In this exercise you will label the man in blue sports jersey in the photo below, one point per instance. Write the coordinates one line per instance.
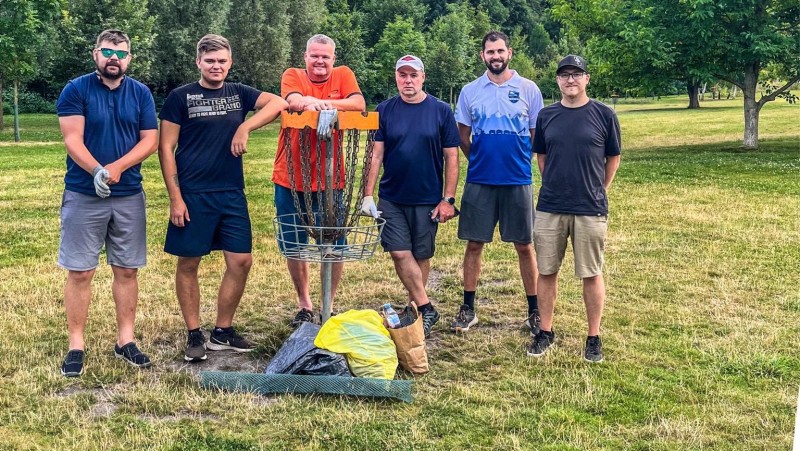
(496, 117)
(108, 121)
(205, 181)
(416, 141)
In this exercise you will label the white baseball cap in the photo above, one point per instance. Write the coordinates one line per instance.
(410, 61)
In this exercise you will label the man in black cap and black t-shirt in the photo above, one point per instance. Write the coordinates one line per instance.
(577, 143)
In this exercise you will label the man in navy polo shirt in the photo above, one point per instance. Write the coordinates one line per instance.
(496, 117)
(417, 139)
(205, 120)
(577, 145)
(109, 125)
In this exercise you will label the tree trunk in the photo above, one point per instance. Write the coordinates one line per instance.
(693, 90)
(751, 107)
(16, 111)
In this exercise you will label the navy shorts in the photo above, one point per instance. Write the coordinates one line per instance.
(293, 232)
(219, 220)
(408, 228)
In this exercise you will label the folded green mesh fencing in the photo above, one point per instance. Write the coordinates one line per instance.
(292, 383)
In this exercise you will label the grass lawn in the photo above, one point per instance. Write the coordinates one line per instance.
(700, 329)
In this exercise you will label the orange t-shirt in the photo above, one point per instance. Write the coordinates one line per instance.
(341, 84)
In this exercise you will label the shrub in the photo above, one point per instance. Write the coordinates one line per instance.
(29, 102)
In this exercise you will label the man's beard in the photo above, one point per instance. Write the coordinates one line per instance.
(496, 71)
(111, 76)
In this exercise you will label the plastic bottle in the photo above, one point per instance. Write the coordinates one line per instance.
(392, 320)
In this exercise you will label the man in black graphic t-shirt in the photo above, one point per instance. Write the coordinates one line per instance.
(577, 143)
(205, 181)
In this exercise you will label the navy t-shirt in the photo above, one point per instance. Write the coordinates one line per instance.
(113, 120)
(576, 142)
(414, 135)
(208, 119)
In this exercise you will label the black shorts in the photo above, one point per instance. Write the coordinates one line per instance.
(408, 228)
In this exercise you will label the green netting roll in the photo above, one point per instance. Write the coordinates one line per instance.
(293, 383)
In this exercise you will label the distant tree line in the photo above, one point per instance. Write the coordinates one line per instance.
(634, 47)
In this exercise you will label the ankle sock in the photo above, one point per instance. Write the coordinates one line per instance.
(425, 308)
(533, 304)
(469, 299)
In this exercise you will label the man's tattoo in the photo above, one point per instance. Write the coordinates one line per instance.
(175, 179)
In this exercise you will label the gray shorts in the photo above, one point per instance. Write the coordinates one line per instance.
(89, 222)
(483, 206)
(408, 228)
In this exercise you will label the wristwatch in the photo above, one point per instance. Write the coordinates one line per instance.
(450, 200)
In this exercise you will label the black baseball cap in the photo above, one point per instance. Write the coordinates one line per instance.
(575, 61)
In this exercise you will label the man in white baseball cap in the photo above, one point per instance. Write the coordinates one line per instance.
(417, 144)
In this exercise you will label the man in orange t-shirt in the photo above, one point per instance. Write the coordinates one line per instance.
(319, 86)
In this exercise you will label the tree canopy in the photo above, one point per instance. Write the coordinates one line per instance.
(636, 47)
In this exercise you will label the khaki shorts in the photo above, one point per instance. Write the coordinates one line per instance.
(588, 235)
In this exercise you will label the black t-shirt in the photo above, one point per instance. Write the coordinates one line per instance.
(208, 119)
(576, 142)
(414, 135)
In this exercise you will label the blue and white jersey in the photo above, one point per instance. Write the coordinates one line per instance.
(501, 117)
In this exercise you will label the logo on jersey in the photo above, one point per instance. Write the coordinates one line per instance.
(513, 96)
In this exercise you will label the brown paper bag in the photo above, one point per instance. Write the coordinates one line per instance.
(410, 344)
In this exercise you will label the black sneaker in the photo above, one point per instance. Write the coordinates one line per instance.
(303, 316)
(541, 343)
(131, 354)
(429, 318)
(195, 347)
(464, 320)
(222, 340)
(73, 363)
(534, 323)
(594, 350)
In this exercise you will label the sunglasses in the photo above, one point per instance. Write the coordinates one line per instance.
(121, 54)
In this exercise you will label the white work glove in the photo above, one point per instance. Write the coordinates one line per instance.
(101, 175)
(368, 207)
(326, 122)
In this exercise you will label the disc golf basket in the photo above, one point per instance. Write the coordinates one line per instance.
(328, 210)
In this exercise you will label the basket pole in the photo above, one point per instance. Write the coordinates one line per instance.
(327, 267)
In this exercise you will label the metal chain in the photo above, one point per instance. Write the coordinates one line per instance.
(336, 219)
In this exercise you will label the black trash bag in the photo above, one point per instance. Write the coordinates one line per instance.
(298, 355)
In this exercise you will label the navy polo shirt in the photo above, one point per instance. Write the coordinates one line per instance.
(114, 119)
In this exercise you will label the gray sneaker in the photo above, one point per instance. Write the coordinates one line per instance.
(594, 350)
(195, 347)
(465, 319)
(429, 318)
(541, 343)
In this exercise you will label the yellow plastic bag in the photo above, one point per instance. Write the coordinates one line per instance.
(362, 338)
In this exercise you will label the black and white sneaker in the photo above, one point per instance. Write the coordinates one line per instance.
(541, 343)
(465, 319)
(594, 350)
(73, 363)
(303, 316)
(222, 339)
(195, 347)
(429, 318)
(534, 323)
(131, 354)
